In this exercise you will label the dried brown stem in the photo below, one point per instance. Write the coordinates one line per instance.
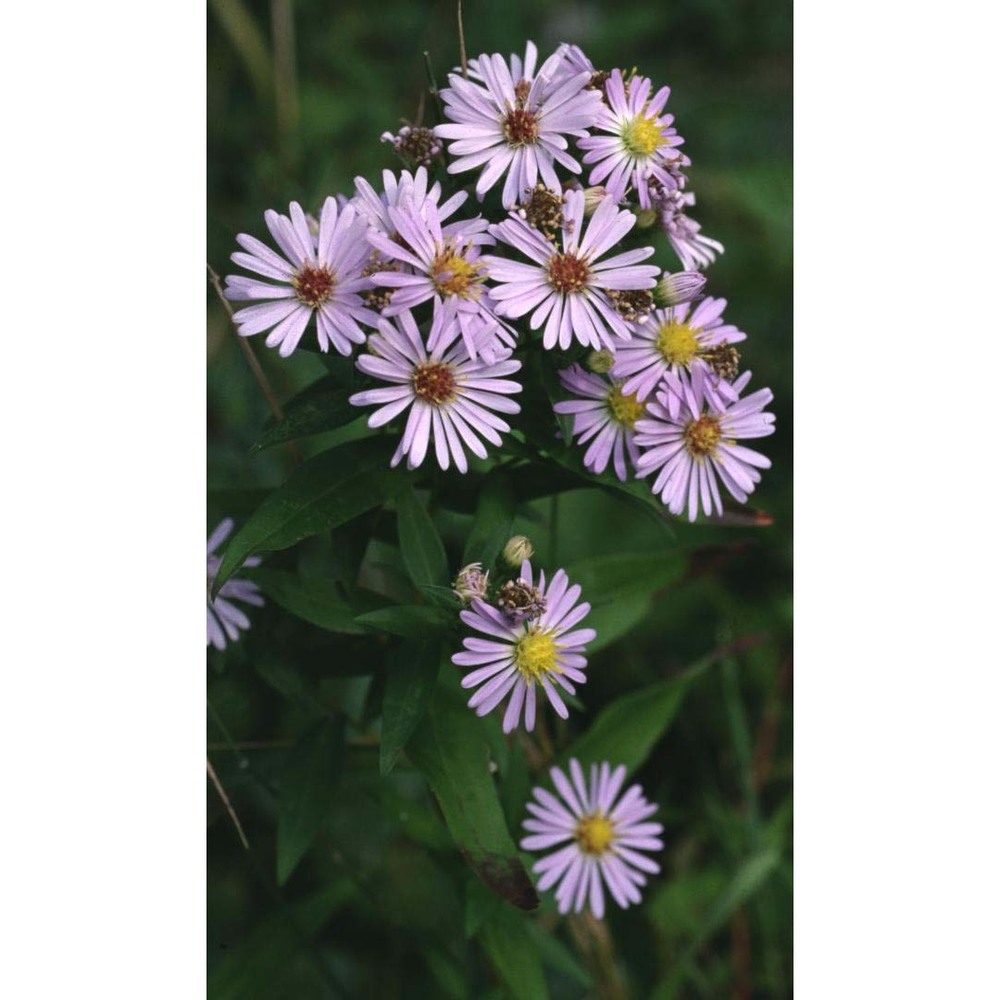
(461, 43)
(227, 804)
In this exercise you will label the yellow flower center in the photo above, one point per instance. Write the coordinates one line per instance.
(452, 274)
(642, 136)
(702, 435)
(625, 409)
(594, 834)
(678, 343)
(535, 655)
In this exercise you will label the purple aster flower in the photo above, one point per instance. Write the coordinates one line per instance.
(515, 126)
(690, 438)
(565, 287)
(520, 69)
(410, 190)
(444, 266)
(451, 397)
(605, 417)
(574, 59)
(642, 142)
(224, 617)
(678, 338)
(600, 838)
(521, 655)
(694, 250)
(322, 274)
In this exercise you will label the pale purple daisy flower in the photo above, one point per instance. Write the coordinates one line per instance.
(515, 126)
(410, 190)
(681, 337)
(322, 274)
(520, 69)
(566, 288)
(224, 617)
(642, 142)
(690, 438)
(694, 250)
(574, 59)
(521, 655)
(451, 397)
(605, 417)
(443, 265)
(600, 838)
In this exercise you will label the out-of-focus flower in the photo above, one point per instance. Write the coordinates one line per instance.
(694, 250)
(600, 838)
(690, 436)
(517, 549)
(453, 399)
(518, 657)
(322, 274)
(471, 582)
(516, 127)
(679, 338)
(641, 143)
(224, 617)
(566, 286)
(605, 417)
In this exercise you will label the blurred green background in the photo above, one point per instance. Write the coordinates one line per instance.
(298, 96)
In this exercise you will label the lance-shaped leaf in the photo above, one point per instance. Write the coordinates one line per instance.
(494, 521)
(423, 551)
(324, 492)
(313, 599)
(308, 784)
(411, 670)
(627, 730)
(621, 588)
(449, 747)
(318, 408)
(512, 953)
(416, 621)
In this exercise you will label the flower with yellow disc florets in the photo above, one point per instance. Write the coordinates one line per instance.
(518, 657)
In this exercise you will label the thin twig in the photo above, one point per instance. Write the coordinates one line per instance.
(227, 804)
(461, 43)
(259, 374)
(432, 84)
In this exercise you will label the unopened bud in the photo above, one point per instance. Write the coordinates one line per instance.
(471, 582)
(517, 550)
(673, 289)
(592, 197)
(646, 217)
(600, 362)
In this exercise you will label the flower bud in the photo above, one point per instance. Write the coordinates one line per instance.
(645, 218)
(592, 197)
(471, 582)
(517, 550)
(600, 362)
(673, 289)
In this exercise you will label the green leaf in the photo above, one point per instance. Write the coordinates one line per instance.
(308, 785)
(556, 955)
(745, 883)
(320, 407)
(411, 671)
(415, 621)
(323, 493)
(449, 748)
(510, 949)
(423, 551)
(313, 599)
(621, 588)
(627, 730)
(493, 523)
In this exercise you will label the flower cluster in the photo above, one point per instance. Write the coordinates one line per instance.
(445, 304)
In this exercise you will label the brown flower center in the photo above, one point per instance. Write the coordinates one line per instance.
(520, 127)
(567, 273)
(434, 382)
(313, 284)
(702, 435)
